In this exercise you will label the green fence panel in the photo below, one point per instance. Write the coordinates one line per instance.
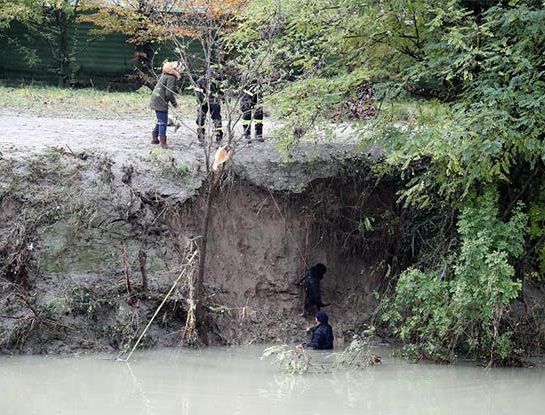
(98, 60)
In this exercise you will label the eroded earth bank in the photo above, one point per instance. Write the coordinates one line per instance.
(94, 232)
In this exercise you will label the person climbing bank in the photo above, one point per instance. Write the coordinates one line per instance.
(313, 294)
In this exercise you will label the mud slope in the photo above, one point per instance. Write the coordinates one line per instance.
(75, 222)
(262, 242)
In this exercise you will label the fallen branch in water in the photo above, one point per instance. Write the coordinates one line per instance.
(358, 354)
(292, 360)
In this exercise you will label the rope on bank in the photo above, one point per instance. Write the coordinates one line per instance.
(185, 267)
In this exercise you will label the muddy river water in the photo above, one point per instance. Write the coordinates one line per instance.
(235, 381)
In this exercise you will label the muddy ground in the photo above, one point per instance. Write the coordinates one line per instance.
(83, 202)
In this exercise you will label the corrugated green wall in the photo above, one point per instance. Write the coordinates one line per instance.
(99, 61)
(96, 59)
(107, 56)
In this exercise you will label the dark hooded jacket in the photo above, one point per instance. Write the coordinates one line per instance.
(251, 96)
(215, 89)
(165, 90)
(312, 283)
(322, 334)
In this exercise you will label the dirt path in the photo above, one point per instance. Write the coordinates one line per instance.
(22, 134)
(127, 141)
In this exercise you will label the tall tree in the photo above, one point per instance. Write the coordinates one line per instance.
(59, 25)
(28, 13)
(207, 22)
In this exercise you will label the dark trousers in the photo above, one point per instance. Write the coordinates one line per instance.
(215, 113)
(257, 111)
(162, 121)
(310, 303)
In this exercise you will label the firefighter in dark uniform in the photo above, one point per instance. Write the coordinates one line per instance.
(251, 105)
(313, 293)
(213, 103)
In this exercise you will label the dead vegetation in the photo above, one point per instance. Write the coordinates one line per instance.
(292, 360)
(295, 360)
(358, 354)
(62, 214)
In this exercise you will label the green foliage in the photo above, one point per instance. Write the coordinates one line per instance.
(52, 21)
(299, 45)
(24, 12)
(460, 92)
(493, 70)
(485, 64)
(464, 312)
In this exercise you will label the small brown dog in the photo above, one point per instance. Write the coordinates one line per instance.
(173, 122)
(223, 154)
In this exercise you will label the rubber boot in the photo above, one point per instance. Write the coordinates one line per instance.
(219, 136)
(163, 141)
(247, 133)
(200, 136)
(259, 132)
(154, 137)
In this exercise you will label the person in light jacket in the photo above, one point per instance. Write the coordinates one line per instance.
(164, 93)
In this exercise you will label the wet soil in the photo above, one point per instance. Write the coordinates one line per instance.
(81, 200)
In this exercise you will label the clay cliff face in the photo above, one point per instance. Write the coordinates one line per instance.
(74, 225)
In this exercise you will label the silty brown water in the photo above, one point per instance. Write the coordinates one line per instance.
(235, 381)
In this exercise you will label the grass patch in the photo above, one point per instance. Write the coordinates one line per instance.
(163, 160)
(84, 103)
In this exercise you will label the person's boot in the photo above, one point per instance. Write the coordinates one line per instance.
(163, 141)
(259, 132)
(200, 137)
(247, 134)
(154, 137)
(219, 137)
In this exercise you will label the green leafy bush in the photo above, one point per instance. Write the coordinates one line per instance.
(440, 315)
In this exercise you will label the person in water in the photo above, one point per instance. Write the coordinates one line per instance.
(322, 334)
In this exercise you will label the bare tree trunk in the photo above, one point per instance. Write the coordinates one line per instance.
(199, 283)
(142, 260)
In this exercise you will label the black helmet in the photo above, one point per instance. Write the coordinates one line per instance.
(320, 269)
(322, 317)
